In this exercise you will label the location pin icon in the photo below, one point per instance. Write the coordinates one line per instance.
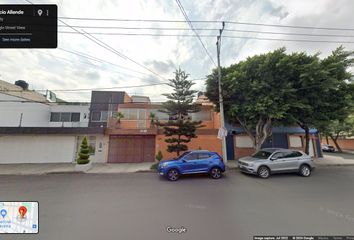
(3, 213)
(40, 12)
(22, 210)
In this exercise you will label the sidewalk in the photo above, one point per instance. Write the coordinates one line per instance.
(56, 168)
(335, 159)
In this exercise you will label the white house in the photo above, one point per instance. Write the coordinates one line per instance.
(35, 130)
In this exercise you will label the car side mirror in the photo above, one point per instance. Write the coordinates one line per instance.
(273, 158)
(184, 160)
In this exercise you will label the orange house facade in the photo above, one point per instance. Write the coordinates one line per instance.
(135, 139)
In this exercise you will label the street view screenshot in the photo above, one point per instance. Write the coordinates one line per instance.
(177, 119)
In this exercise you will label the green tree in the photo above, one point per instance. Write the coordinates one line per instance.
(84, 153)
(180, 129)
(322, 90)
(285, 88)
(254, 93)
(338, 128)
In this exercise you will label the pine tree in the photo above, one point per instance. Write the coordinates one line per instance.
(84, 152)
(180, 129)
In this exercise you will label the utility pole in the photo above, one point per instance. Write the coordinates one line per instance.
(221, 103)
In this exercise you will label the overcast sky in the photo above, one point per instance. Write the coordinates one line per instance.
(57, 69)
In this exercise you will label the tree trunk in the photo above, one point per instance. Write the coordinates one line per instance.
(307, 136)
(327, 140)
(307, 140)
(334, 139)
(263, 131)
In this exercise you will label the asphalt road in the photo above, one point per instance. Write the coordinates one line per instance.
(142, 205)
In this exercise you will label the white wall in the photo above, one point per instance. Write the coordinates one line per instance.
(37, 149)
(37, 114)
(33, 114)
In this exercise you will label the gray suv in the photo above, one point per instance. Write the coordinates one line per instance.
(275, 160)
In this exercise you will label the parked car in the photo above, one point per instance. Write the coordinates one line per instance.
(276, 160)
(192, 162)
(328, 148)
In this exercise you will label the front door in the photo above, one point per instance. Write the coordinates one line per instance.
(278, 163)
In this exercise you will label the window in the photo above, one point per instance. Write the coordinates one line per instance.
(96, 116)
(75, 117)
(104, 116)
(133, 113)
(201, 115)
(243, 142)
(159, 115)
(64, 117)
(295, 141)
(262, 154)
(293, 154)
(55, 117)
(203, 155)
(99, 116)
(278, 155)
(192, 156)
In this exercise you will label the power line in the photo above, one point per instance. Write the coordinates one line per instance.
(208, 21)
(209, 35)
(212, 29)
(87, 63)
(85, 55)
(106, 46)
(192, 27)
(94, 89)
(132, 60)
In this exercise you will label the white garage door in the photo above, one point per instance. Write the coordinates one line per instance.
(37, 149)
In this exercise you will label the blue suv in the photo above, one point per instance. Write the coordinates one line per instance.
(191, 162)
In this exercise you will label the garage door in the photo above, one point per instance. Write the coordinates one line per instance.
(131, 149)
(37, 149)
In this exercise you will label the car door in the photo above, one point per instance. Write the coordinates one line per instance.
(204, 160)
(189, 163)
(290, 160)
(277, 162)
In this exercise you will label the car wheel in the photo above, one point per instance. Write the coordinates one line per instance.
(173, 174)
(305, 170)
(263, 172)
(215, 173)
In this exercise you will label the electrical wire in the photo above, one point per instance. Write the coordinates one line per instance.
(208, 21)
(196, 33)
(208, 35)
(94, 89)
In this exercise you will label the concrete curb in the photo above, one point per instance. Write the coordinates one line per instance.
(138, 171)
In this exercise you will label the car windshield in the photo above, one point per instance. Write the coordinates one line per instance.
(262, 154)
(181, 156)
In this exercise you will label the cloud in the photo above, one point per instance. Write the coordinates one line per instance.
(161, 66)
(55, 69)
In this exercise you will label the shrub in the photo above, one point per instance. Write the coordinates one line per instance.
(159, 156)
(84, 153)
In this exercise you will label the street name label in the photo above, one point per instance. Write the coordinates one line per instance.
(19, 217)
(28, 26)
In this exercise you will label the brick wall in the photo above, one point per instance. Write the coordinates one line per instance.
(345, 144)
(205, 142)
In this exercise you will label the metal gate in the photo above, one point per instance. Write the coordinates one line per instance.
(131, 149)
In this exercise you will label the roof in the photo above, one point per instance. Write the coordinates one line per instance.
(17, 91)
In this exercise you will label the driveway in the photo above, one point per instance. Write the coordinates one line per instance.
(142, 205)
